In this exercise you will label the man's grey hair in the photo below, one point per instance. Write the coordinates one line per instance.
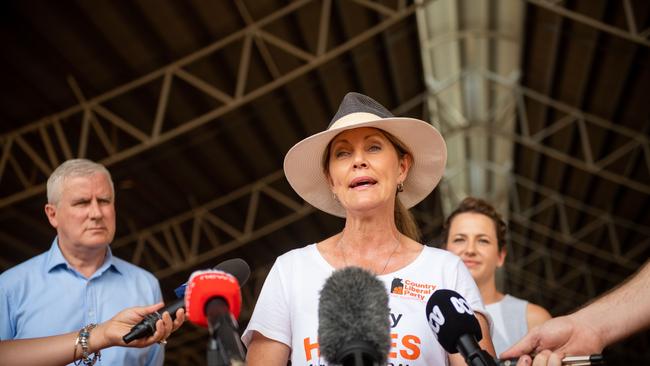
(73, 168)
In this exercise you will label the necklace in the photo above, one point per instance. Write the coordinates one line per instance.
(338, 244)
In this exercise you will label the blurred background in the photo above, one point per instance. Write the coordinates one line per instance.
(544, 105)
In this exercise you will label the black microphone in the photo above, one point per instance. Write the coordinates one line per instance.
(353, 319)
(147, 327)
(456, 328)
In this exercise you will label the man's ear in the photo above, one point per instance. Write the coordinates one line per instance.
(50, 212)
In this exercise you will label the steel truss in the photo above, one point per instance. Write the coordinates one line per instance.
(182, 242)
(462, 43)
(636, 144)
(513, 106)
(551, 282)
(632, 33)
(481, 110)
(69, 133)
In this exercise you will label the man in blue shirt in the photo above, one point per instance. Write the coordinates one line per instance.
(78, 281)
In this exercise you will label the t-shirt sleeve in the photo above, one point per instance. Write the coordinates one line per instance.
(271, 316)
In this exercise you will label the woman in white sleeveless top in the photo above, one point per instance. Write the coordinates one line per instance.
(476, 233)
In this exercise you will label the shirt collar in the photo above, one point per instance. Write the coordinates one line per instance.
(55, 259)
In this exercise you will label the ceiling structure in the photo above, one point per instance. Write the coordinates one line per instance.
(192, 106)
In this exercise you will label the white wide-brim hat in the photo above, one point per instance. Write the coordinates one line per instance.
(302, 164)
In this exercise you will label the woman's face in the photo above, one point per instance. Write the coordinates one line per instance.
(364, 169)
(473, 237)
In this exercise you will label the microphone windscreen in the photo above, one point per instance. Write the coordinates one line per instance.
(353, 307)
(450, 316)
(236, 267)
(206, 285)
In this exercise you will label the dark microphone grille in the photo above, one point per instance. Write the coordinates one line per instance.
(353, 308)
(236, 267)
(450, 317)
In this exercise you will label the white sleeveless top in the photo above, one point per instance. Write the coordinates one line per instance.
(509, 322)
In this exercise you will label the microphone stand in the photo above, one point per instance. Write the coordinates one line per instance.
(224, 348)
(474, 356)
(359, 353)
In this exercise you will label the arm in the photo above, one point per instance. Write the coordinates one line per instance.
(58, 350)
(265, 351)
(536, 315)
(485, 343)
(614, 316)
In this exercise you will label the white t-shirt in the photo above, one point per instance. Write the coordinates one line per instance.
(287, 308)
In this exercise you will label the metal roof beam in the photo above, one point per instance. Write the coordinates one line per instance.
(459, 40)
(582, 120)
(630, 34)
(177, 241)
(158, 134)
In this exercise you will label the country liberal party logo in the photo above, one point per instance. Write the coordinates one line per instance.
(410, 289)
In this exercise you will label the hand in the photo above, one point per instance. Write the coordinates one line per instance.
(544, 358)
(110, 333)
(555, 339)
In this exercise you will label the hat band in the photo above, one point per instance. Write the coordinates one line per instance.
(353, 119)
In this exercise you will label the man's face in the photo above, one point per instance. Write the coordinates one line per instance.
(84, 217)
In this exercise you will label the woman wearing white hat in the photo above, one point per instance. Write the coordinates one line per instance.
(368, 167)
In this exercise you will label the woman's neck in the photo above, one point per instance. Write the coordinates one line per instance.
(489, 292)
(367, 232)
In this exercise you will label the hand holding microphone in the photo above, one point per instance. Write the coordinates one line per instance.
(111, 332)
(561, 336)
(454, 324)
(147, 327)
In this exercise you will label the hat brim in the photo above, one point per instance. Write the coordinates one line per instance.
(303, 169)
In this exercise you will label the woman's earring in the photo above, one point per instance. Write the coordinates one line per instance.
(335, 198)
(400, 187)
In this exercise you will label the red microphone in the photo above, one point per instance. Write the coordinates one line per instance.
(203, 286)
(213, 300)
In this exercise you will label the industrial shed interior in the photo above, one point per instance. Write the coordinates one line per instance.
(544, 105)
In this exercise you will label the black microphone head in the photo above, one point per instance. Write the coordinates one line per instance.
(236, 267)
(450, 317)
(353, 313)
(147, 326)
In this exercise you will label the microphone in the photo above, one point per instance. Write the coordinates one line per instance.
(213, 300)
(147, 327)
(353, 319)
(456, 328)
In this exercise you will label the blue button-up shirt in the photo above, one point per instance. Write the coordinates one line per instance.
(45, 296)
